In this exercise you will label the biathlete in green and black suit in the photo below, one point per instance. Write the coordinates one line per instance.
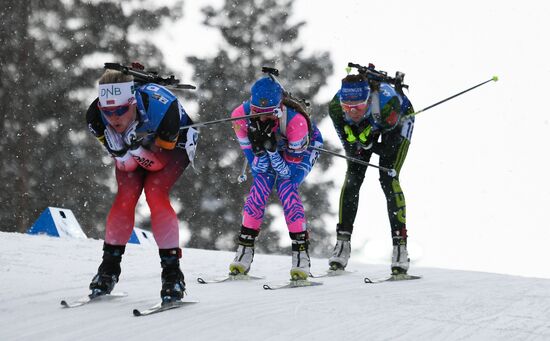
(370, 117)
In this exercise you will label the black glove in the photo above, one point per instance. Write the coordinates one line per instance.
(370, 140)
(256, 138)
(259, 133)
(271, 143)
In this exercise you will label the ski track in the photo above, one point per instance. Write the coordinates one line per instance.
(37, 272)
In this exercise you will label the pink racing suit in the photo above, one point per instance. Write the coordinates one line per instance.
(286, 168)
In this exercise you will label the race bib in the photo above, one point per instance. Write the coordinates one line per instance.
(407, 128)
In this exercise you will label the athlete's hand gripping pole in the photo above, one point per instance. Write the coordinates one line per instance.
(242, 177)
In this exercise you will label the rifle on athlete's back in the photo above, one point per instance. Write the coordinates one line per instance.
(141, 76)
(378, 76)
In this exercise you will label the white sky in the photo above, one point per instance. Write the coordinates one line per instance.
(476, 176)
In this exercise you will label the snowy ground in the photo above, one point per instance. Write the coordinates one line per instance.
(36, 272)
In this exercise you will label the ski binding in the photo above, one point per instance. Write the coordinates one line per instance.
(332, 273)
(162, 306)
(93, 297)
(228, 278)
(392, 278)
(293, 283)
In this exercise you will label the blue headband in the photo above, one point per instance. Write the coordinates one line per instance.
(359, 91)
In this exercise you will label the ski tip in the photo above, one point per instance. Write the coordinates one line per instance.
(495, 78)
(200, 280)
(64, 304)
(136, 312)
(391, 278)
(266, 287)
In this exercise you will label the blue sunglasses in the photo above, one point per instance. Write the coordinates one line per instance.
(118, 111)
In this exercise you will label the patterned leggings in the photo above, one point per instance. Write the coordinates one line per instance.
(287, 191)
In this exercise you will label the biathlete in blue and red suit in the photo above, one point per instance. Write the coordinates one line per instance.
(139, 125)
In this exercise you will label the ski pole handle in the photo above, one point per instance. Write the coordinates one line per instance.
(242, 177)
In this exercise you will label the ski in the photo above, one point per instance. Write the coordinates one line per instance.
(93, 297)
(332, 273)
(227, 278)
(162, 306)
(293, 283)
(392, 278)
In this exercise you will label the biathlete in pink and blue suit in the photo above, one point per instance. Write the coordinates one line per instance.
(278, 149)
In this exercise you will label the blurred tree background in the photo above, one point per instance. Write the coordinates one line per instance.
(52, 57)
(49, 65)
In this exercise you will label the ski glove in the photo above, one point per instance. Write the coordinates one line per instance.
(258, 134)
(147, 159)
(115, 142)
(260, 164)
(130, 136)
(279, 164)
(126, 163)
(270, 144)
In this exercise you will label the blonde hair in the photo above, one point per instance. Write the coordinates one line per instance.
(114, 76)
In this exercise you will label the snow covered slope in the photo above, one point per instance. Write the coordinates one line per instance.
(36, 272)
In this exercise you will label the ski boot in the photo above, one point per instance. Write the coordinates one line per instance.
(245, 252)
(109, 270)
(173, 284)
(301, 262)
(341, 252)
(400, 256)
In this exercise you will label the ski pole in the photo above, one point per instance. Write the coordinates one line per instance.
(495, 78)
(229, 119)
(242, 178)
(391, 172)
